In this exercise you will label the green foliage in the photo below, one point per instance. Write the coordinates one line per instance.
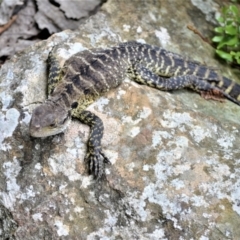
(228, 34)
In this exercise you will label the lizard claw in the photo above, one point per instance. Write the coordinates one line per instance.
(96, 161)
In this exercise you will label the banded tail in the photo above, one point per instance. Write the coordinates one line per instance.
(229, 89)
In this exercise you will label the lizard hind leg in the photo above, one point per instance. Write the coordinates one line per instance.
(145, 76)
(95, 158)
(214, 94)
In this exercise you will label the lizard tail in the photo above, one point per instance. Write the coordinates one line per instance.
(230, 90)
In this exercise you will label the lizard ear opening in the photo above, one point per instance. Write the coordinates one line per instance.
(63, 121)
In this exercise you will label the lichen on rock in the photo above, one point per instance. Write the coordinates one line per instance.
(175, 156)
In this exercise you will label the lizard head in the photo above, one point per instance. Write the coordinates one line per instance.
(49, 119)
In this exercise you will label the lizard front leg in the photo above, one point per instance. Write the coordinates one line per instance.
(55, 71)
(95, 158)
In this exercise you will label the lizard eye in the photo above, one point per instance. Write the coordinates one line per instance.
(74, 105)
(52, 125)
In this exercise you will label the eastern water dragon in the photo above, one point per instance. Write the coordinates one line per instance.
(90, 73)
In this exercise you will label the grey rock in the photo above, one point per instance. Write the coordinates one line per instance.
(17, 37)
(7, 225)
(175, 170)
(56, 18)
(7, 9)
(78, 9)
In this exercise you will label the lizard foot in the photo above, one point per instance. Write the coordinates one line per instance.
(96, 161)
(213, 94)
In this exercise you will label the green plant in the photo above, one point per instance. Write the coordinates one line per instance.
(228, 34)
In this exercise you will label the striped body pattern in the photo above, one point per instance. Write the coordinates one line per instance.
(89, 74)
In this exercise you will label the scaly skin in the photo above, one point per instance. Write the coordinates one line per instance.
(89, 74)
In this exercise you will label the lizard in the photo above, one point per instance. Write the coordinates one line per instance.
(89, 74)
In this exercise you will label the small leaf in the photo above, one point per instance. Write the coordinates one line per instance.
(219, 29)
(220, 19)
(235, 54)
(231, 30)
(233, 9)
(224, 55)
(229, 42)
(217, 38)
(232, 41)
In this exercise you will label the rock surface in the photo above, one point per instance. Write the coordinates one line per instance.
(63, 14)
(25, 22)
(175, 170)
